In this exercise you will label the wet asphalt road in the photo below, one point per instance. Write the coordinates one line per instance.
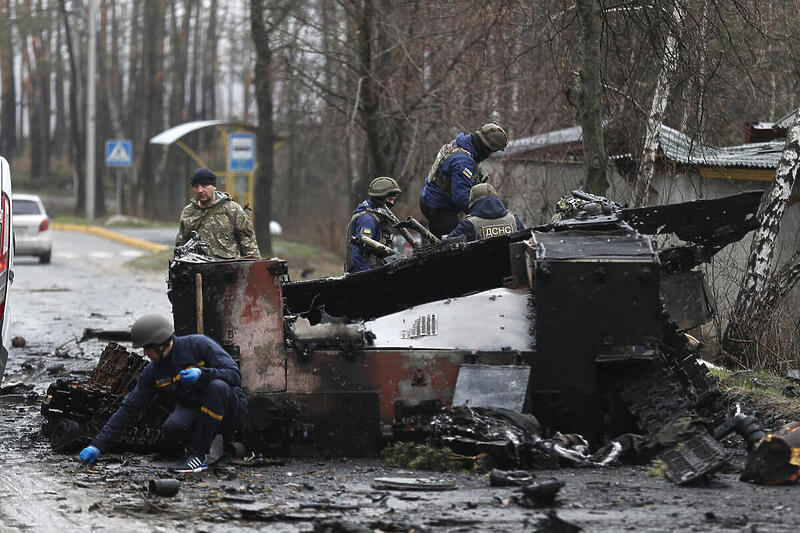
(87, 286)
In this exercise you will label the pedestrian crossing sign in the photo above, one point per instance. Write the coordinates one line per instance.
(119, 153)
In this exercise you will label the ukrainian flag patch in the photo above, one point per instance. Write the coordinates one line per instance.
(366, 231)
(468, 173)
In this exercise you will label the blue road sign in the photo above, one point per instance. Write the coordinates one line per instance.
(119, 153)
(241, 152)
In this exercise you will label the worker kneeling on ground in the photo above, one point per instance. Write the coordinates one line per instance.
(370, 223)
(205, 380)
(488, 216)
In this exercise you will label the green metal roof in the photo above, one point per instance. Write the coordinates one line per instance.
(785, 122)
(683, 149)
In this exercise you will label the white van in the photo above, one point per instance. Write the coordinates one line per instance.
(6, 260)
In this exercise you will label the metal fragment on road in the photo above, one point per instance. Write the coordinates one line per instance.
(412, 483)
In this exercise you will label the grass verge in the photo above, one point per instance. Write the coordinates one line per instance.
(305, 261)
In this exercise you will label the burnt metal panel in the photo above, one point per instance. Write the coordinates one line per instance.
(492, 386)
(712, 223)
(588, 307)
(242, 310)
(443, 271)
(412, 376)
(687, 299)
(303, 424)
(490, 320)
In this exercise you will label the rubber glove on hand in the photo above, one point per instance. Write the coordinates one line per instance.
(89, 454)
(190, 375)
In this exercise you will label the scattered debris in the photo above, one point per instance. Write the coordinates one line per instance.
(340, 526)
(117, 335)
(55, 368)
(163, 487)
(327, 506)
(74, 411)
(18, 342)
(774, 459)
(540, 493)
(512, 478)
(412, 483)
(553, 524)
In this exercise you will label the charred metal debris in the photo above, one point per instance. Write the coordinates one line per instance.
(587, 313)
(75, 411)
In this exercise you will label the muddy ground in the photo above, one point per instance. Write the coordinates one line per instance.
(44, 491)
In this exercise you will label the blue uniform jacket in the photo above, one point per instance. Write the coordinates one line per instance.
(364, 225)
(189, 351)
(490, 207)
(462, 171)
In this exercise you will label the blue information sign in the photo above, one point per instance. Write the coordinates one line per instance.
(119, 153)
(241, 152)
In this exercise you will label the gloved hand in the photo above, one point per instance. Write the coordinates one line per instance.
(89, 454)
(190, 375)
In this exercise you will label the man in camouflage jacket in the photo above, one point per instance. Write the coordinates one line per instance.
(218, 220)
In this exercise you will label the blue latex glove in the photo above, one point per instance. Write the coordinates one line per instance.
(89, 454)
(190, 375)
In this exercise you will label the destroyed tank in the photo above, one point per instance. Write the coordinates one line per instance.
(578, 322)
(586, 309)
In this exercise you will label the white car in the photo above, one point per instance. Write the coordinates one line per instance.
(32, 231)
(6, 260)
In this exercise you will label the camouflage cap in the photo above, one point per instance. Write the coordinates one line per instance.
(383, 186)
(493, 136)
(481, 190)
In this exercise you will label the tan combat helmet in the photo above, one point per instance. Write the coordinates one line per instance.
(493, 136)
(382, 187)
(481, 190)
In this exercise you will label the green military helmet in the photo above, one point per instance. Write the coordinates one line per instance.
(493, 136)
(481, 190)
(383, 186)
(151, 330)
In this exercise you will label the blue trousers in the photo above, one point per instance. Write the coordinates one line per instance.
(222, 411)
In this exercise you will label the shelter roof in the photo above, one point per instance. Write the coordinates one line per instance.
(173, 134)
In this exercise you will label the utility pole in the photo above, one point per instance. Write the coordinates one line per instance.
(90, 111)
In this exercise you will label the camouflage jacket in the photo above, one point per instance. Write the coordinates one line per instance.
(224, 225)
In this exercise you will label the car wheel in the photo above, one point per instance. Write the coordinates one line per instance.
(45, 258)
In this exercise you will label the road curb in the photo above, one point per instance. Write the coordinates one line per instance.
(133, 242)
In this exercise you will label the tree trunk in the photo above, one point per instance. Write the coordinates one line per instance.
(59, 131)
(76, 144)
(153, 110)
(755, 300)
(655, 118)
(263, 89)
(590, 98)
(8, 105)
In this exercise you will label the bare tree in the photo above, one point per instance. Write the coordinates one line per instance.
(655, 118)
(263, 88)
(588, 99)
(758, 293)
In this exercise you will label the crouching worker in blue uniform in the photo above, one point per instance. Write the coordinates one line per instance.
(205, 380)
(488, 216)
(370, 220)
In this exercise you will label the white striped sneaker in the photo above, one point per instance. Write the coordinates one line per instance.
(190, 464)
